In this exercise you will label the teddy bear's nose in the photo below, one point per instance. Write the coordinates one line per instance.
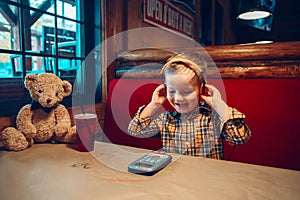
(49, 100)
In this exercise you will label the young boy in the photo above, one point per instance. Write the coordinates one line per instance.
(195, 127)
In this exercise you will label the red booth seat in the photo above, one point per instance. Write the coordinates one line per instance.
(271, 107)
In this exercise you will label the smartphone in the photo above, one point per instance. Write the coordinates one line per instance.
(150, 163)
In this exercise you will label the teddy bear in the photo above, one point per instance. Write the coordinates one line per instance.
(45, 119)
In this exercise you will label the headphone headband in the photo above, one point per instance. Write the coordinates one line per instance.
(181, 59)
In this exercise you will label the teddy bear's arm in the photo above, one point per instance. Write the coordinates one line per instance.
(24, 122)
(63, 121)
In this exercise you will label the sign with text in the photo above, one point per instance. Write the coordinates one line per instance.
(163, 14)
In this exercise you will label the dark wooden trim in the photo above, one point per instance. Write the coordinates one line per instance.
(114, 24)
(275, 60)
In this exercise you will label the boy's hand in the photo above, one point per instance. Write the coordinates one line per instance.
(159, 95)
(158, 99)
(215, 101)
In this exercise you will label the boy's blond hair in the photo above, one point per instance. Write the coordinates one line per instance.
(185, 63)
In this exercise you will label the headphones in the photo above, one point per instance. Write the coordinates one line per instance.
(187, 62)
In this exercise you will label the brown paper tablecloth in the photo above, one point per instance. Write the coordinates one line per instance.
(58, 171)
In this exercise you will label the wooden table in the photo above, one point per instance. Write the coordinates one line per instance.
(58, 171)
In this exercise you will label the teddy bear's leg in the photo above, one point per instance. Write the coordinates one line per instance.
(14, 140)
(43, 136)
(70, 137)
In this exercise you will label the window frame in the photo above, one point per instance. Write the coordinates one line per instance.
(13, 94)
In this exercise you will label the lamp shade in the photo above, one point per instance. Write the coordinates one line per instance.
(255, 9)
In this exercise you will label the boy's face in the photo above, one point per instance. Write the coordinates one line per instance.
(182, 92)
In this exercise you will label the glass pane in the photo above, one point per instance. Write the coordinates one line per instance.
(48, 64)
(36, 65)
(41, 33)
(10, 65)
(68, 38)
(68, 9)
(39, 64)
(68, 67)
(44, 5)
(9, 30)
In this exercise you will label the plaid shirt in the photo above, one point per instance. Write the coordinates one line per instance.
(199, 133)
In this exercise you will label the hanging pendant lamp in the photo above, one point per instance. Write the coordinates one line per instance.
(255, 9)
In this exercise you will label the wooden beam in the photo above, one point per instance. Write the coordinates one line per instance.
(72, 2)
(276, 60)
(44, 7)
(8, 14)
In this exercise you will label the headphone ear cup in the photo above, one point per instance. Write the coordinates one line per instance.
(203, 91)
(165, 85)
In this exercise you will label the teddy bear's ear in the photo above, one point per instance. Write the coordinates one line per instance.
(67, 87)
(29, 79)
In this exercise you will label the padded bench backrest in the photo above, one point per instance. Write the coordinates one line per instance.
(271, 107)
(125, 96)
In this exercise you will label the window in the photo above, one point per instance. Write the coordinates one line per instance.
(39, 36)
